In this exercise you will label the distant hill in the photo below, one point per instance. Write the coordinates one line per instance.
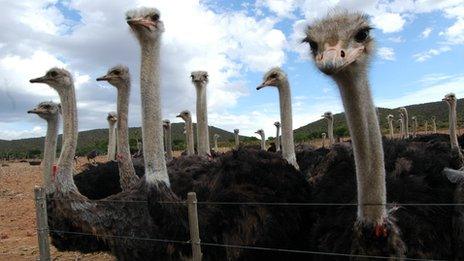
(98, 139)
(423, 112)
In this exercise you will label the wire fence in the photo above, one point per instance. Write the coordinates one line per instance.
(198, 243)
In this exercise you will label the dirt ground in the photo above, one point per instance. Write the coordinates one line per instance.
(18, 235)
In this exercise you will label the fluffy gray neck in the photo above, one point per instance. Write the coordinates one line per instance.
(64, 177)
(127, 177)
(330, 132)
(189, 136)
(111, 141)
(50, 152)
(263, 141)
(152, 128)
(288, 147)
(452, 126)
(202, 120)
(277, 139)
(434, 126)
(367, 146)
(167, 142)
(390, 126)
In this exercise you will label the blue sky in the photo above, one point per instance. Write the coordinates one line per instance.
(420, 51)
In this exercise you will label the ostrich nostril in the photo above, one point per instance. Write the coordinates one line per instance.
(342, 53)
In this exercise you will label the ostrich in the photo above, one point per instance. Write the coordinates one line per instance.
(329, 118)
(404, 115)
(324, 135)
(277, 77)
(187, 117)
(434, 124)
(277, 143)
(341, 47)
(216, 137)
(200, 81)
(450, 99)
(49, 111)
(426, 127)
(414, 126)
(91, 156)
(167, 139)
(260, 132)
(112, 118)
(237, 138)
(390, 125)
(400, 122)
(119, 77)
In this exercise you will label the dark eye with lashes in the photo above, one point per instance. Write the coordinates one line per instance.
(155, 17)
(116, 72)
(362, 35)
(53, 74)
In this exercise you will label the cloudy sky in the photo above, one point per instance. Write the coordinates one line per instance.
(420, 51)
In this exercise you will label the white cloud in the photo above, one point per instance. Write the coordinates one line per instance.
(388, 22)
(426, 32)
(397, 39)
(455, 33)
(283, 8)
(7, 134)
(424, 56)
(386, 53)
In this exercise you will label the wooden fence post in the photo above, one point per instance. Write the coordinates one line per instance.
(42, 224)
(193, 226)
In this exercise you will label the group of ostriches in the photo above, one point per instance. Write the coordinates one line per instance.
(391, 198)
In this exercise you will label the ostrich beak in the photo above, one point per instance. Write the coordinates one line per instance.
(147, 23)
(103, 78)
(42, 79)
(334, 58)
(270, 82)
(31, 111)
(178, 116)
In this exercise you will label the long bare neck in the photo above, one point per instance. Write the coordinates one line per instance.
(127, 177)
(237, 140)
(152, 128)
(167, 140)
(367, 146)
(189, 136)
(414, 127)
(215, 144)
(434, 126)
(277, 138)
(64, 178)
(390, 125)
(426, 127)
(50, 152)
(263, 142)
(111, 141)
(286, 118)
(402, 128)
(330, 131)
(202, 120)
(406, 124)
(452, 126)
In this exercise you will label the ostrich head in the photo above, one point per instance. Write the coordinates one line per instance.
(390, 117)
(166, 124)
(236, 131)
(340, 43)
(185, 115)
(58, 79)
(47, 110)
(260, 132)
(450, 98)
(277, 124)
(324, 135)
(273, 77)
(413, 118)
(403, 110)
(433, 118)
(118, 76)
(199, 77)
(327, 115)
(145, 23)
(112, 117)
(216, 136)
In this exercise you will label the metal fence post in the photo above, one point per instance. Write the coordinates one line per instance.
(193, 226)
(42, 224)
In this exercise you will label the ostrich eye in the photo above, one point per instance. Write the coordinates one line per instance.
(274, 75)
(53, 74)
(128, 17)
(206, 76)
(313, 46)
(191, 76)
(362, 35)
(116, 72)
(155, 17)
